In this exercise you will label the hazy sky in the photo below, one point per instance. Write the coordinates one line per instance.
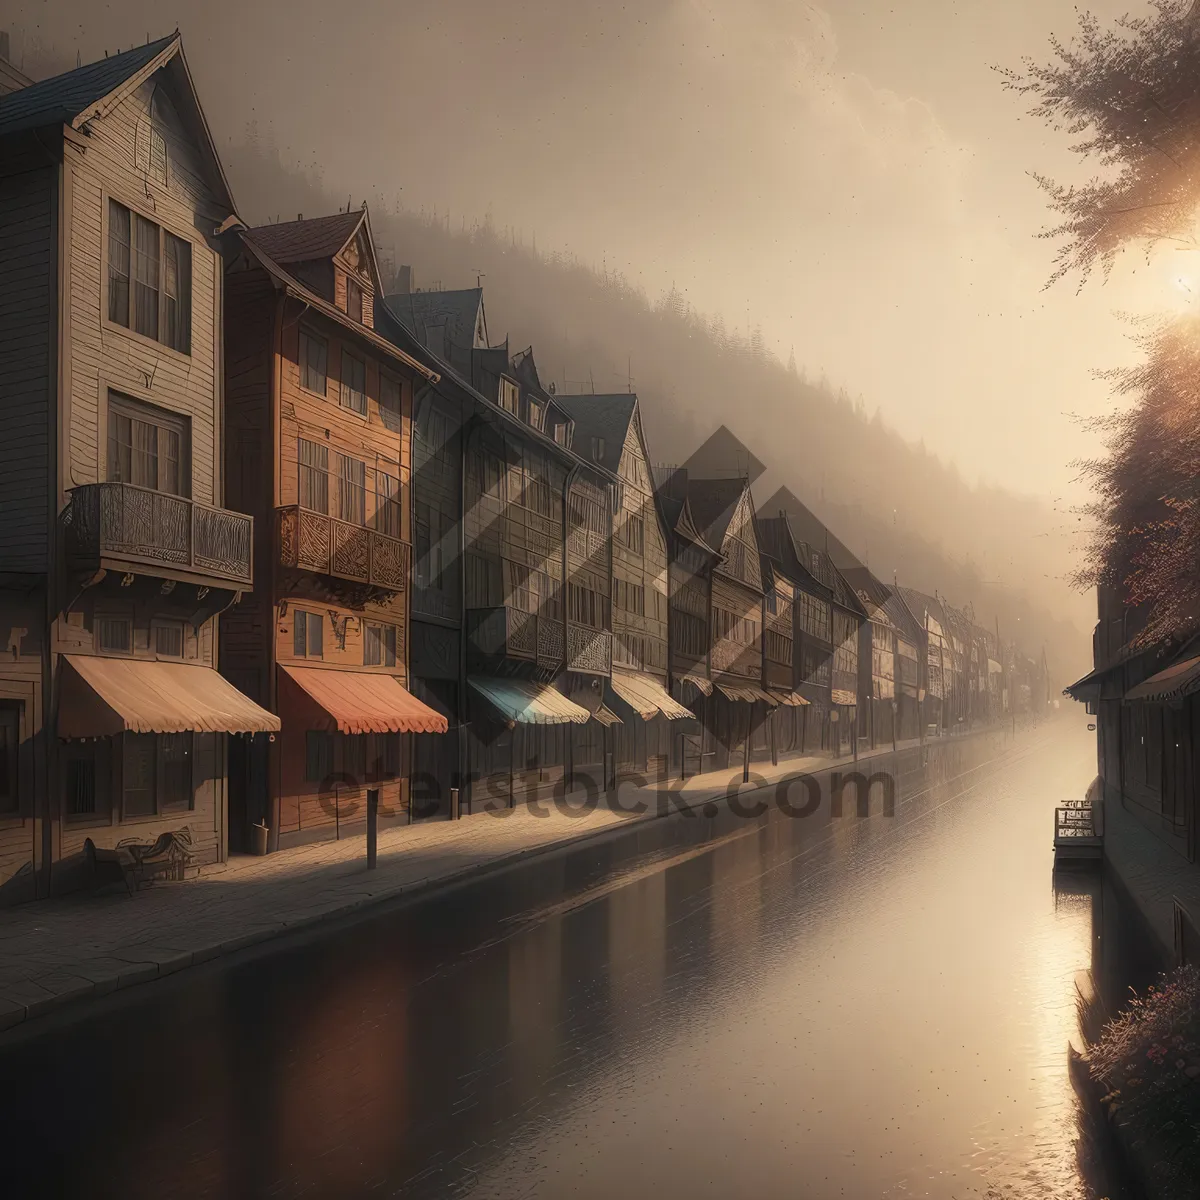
(850, 176)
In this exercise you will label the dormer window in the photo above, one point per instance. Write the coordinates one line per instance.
(562, 433)
(597, 449)
(509, 395)
(537, 415)
(354, 301)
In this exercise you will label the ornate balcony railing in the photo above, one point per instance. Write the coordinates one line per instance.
(503, 631)
(589, 651)
(139, 526)
(549, 642)
(313, 541)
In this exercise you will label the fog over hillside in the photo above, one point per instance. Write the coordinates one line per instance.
(898, 507)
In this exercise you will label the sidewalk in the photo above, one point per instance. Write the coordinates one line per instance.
(65, 950)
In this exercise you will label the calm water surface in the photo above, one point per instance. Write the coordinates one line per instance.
(814, 1009)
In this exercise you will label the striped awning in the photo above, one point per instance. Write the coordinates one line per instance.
(700, 683)
(789, 699)
(527, 703)
(101, 697)
(1180, 679)
(647, 697)
(363, 701)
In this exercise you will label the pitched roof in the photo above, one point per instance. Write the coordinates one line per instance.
(62, 98)
(713, 503)
(457, 310)
(605, 417)
(810, 528)
(11, 79)
(724, 456)
(777, 539)
(301, 241)
(919, 603)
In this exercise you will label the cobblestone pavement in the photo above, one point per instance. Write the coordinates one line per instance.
(64, 950)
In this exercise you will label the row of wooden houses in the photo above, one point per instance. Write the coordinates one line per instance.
(276, 529)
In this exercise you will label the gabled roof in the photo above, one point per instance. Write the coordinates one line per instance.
(777, 539)
(900, 615)
(302, 241)
(11, 79)
(76, 97)
(293, 287)
(605, 417)
(459, 311)
(713, 503)
(919, 603)
(810, 528)
(724, 456)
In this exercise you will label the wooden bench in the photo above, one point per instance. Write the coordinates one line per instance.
(110, 866)
(131, 861)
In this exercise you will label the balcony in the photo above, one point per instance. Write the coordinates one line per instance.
(550, 642)
(589, 651)
(128, 526)
(313, 541)
(503, 632)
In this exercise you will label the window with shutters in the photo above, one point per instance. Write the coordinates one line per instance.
(354, 383)
(149, 279)
(314, 362)
(352, 490)
(113, 635)
(313, 465)
(308, 634)
(146, 447)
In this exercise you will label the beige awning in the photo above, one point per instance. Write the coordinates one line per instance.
(746, 694)
(699, 683)
(648, 698)
(844, 697)
(790, 699)
(101, 697)
(592, 698)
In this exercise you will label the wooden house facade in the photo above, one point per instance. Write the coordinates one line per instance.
(739, 706)
(609, 427)
(930, 619)
(318, 395)
(116, 551)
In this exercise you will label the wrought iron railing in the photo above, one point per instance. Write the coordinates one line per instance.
(313, 541)
(138, 525)
(503, 631)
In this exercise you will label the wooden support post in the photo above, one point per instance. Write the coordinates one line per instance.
(373, 826)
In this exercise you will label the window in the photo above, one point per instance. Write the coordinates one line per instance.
(633, 533)
(168, 639)
(597, 449)
(390, 404)
(149, 279)
(352, 490)
(483, 582)
(114, 635)
(313, 460)
(354, 755)
(318, 756)
(586, 607)
(354, 383)
(562, 433)
(146, 447)
(156, 773)
(388, 513)
(308, 634)
(491, 477)
(379, 646)
(537, 414)
(509, 395)
(10, 749)
(314, 362)
(354, 304)
(85, 781)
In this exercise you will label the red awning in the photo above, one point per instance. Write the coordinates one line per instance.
(363, 701)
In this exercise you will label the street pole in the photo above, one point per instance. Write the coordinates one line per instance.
(373, 826)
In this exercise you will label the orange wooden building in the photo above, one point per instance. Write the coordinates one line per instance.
(319, 449)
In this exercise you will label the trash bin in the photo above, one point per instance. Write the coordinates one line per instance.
(260, 832)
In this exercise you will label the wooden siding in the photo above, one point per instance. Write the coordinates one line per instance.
(107, 356)
(437, 498)
(27, 321)
(645, 569)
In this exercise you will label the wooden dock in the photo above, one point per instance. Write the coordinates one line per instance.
(1078, 834)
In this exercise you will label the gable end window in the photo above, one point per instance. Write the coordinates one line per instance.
(354, 301)
(149, 279)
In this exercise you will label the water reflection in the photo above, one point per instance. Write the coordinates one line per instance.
(873, 1007)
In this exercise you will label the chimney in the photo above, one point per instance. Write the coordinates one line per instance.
(299, 216)
(405, 280)
(4, 51)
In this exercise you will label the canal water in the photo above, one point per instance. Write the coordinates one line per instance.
(708, 1007)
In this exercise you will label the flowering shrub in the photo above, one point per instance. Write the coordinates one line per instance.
(1149, 1060)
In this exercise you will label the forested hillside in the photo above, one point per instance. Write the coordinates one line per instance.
(894, 504)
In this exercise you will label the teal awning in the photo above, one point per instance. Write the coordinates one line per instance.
(526, 703)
